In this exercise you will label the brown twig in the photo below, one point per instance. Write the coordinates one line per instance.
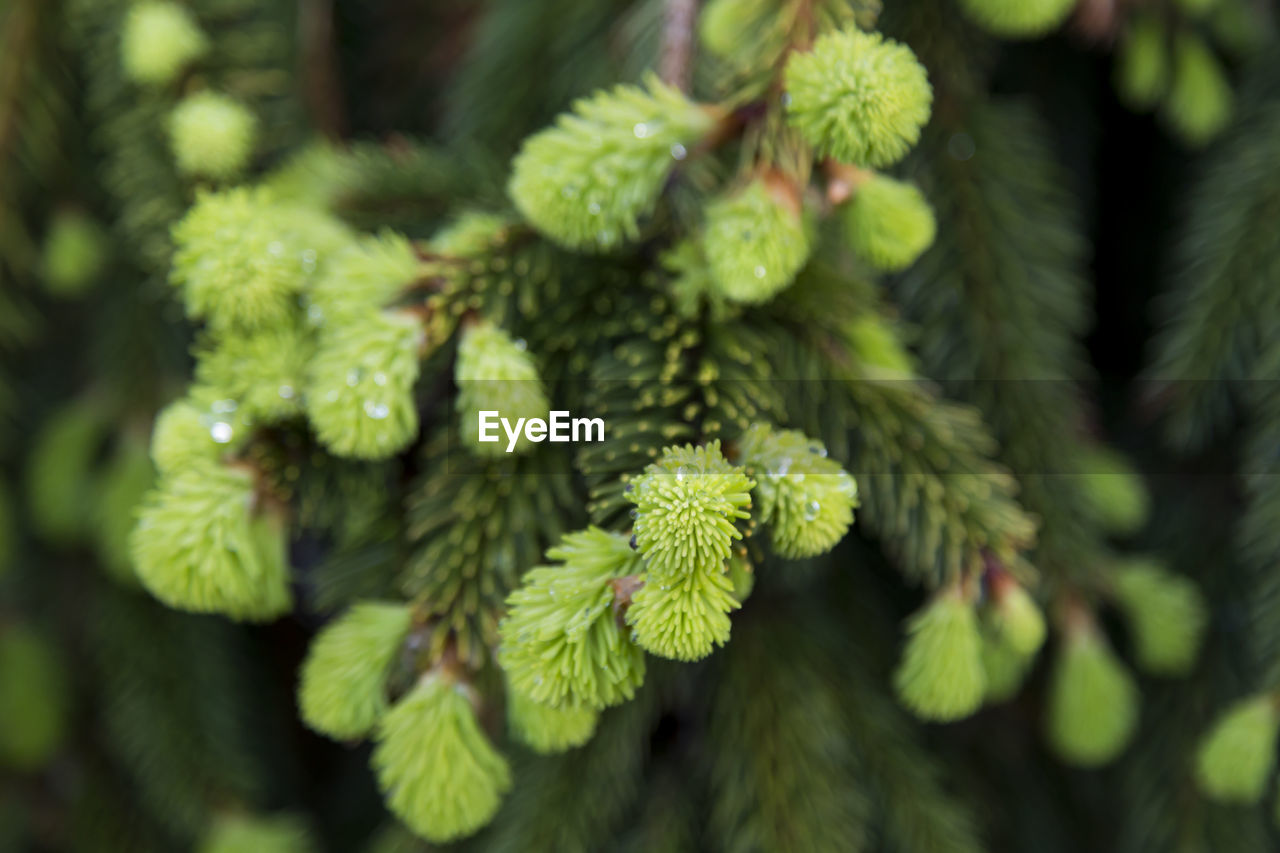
(675, 62)
(623, 589)
(323, 90)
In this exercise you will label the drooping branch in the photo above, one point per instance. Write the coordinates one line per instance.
(675, 64)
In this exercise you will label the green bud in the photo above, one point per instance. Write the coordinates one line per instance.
(889, 223)
(199, 428)
(159, 40)
(496, 374)
(587, 181)
(212, 136)
(1093, 701)
(806, 498)
(545, 729)
(1199, 105)
(561, 643)
(1015, 615)
(471, 235)
(342, 692)
(241, 260)
(34, 698)
(1114, 490)
(877, 348)
(360, 391)
(75, 251)
(1237, 755)
(1016, 19)
(1166, 614)
(244, 833)
(1004, 666)
(686, 506)
(204, 544)
(440, 774)
(726, 26)
(684, 618)
(1142, 63)
(372, 272)
(58, 468)
(262, 370)
(755, 241)
(858, 97)
(940, 676)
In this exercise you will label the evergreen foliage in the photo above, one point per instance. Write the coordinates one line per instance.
(342, 689)
(561, 643)
(204, 542)
(941, 675)
(889, 223)
(589, 180)
(1018, 18)
(826, 274)
(158, 41)
(858, 98)
(212, 135)
(33, 703)
(1237, 755)
(755, 240)
(1093, 706)
(441, 775)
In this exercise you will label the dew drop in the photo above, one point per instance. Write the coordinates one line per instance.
(680, 473)
(521, 344)
(761, 272)
(286, 392)
(678, 151)
(379, 378)
(641, 130)
(594, 208)
(811, 510)
(221, 432)
(223, 406)
(276, 248)
(635, 513)
(377, 411)
(354, 375)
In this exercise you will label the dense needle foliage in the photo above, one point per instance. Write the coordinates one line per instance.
(936, 507)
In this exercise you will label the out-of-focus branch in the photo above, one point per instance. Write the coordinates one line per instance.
(675, 64)
(323, 89)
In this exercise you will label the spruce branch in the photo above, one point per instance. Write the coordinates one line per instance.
(675, 59)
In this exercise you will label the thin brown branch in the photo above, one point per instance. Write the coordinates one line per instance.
(322, 85)
(675, 63)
